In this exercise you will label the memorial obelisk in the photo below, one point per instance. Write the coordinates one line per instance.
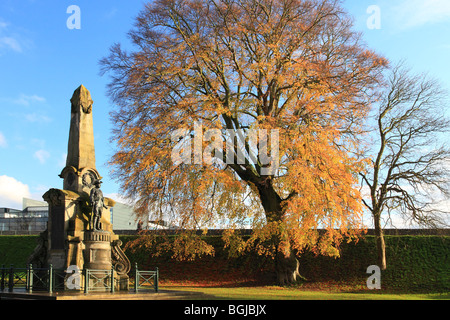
(70, 238)
(80, 172)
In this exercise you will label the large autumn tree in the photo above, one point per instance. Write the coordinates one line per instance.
(202, 66)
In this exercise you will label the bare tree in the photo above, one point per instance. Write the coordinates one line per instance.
(409, 170)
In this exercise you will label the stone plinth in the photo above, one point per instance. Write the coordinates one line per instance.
(97, 250)
(97, 256)
(62, 219)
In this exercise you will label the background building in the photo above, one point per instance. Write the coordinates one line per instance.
(33, 217)
(123, 217)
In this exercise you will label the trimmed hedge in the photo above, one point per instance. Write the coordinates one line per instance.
(16, 250)
(414, 263)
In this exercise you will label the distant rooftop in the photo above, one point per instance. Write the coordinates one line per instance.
(26, 202)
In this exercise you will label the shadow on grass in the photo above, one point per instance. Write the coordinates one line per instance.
(326, 287)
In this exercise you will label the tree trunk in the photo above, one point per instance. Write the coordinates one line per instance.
(287, 265)
(270, 201)
(381, 248)
(287, 269)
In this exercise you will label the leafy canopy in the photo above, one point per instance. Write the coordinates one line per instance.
(292, 65)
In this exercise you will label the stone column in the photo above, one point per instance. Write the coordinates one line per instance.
(97, 250)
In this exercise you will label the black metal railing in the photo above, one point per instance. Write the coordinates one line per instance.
(13, 277)
(99, 280)
(29, 278)
(145, 279)
(50, 279)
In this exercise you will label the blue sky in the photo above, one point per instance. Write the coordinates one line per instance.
(42, 62)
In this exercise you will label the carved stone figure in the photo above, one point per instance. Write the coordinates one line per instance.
(97, 203)
(39, 255)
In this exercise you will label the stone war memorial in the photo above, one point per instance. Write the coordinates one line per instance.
(79, 233)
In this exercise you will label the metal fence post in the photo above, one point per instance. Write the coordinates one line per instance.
(156, 279)
(50, 278)
(86, 281)
(136, 277)
(11, 278)
(2, 284)
(27, 284)
(112, 279)
(30, 278)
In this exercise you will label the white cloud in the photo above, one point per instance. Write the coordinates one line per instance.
(38, 191)
(26, 100)
(119, 198)
(34, 117)
(12, 192)
(11, 40)
(111, 13)
(11, 43)
(62, 160)
(38, 143)
(416, 13)
(41, 155)
(3, 142)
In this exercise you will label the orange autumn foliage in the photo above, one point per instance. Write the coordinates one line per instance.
(292, 65)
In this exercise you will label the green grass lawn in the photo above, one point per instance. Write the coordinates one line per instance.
(280, 293)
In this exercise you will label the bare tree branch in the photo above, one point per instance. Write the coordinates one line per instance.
(410, 168)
